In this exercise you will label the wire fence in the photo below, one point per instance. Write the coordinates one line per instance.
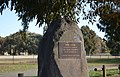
(33, 58)
(18, 59)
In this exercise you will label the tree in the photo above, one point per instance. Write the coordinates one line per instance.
(29, 10)
(88, 38)
(1, 45)
(114, 47)
(15, 44)
(109, 23)
(110, 20)
(8, 45)
(93, 43)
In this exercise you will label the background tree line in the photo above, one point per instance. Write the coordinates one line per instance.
(15, 44)
(93, 43)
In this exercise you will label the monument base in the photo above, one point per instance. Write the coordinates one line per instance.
(70, 67)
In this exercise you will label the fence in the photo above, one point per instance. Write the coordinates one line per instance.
(106, 71)
(18, 59)
(33, 58)
(102, 57)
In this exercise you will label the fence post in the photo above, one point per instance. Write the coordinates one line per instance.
(20, 75)
(119, 69)
(104, 71)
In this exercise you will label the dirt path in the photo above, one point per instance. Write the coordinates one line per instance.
(32, 72)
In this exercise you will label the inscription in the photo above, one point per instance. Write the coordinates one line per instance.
(69, 50)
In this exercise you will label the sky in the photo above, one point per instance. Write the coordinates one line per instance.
(9, 24)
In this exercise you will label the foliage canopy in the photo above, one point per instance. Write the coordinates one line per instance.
(45, 11)
(93, 43)
(15, 45)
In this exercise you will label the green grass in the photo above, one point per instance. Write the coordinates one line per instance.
(104, 61)
(16, 67)
(100, 62)
(22, 65)
(6, 65)
(99, 73)
(109, 73)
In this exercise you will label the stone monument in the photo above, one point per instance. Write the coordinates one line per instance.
(67, 57)
(70, 53)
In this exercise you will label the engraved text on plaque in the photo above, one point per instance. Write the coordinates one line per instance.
(69, 50)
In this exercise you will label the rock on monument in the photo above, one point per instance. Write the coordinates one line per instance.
(61, 51)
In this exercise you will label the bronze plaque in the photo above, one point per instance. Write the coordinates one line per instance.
(69, 50)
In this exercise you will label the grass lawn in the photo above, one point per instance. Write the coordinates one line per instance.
(109, 73)
(104, 61)
(16, 67)
(6, 65)
(99, 73)
(100, 62)
(21, 66)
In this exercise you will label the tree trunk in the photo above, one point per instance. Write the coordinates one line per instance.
(47, 66)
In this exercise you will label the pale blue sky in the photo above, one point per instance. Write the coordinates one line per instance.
(9, 24)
